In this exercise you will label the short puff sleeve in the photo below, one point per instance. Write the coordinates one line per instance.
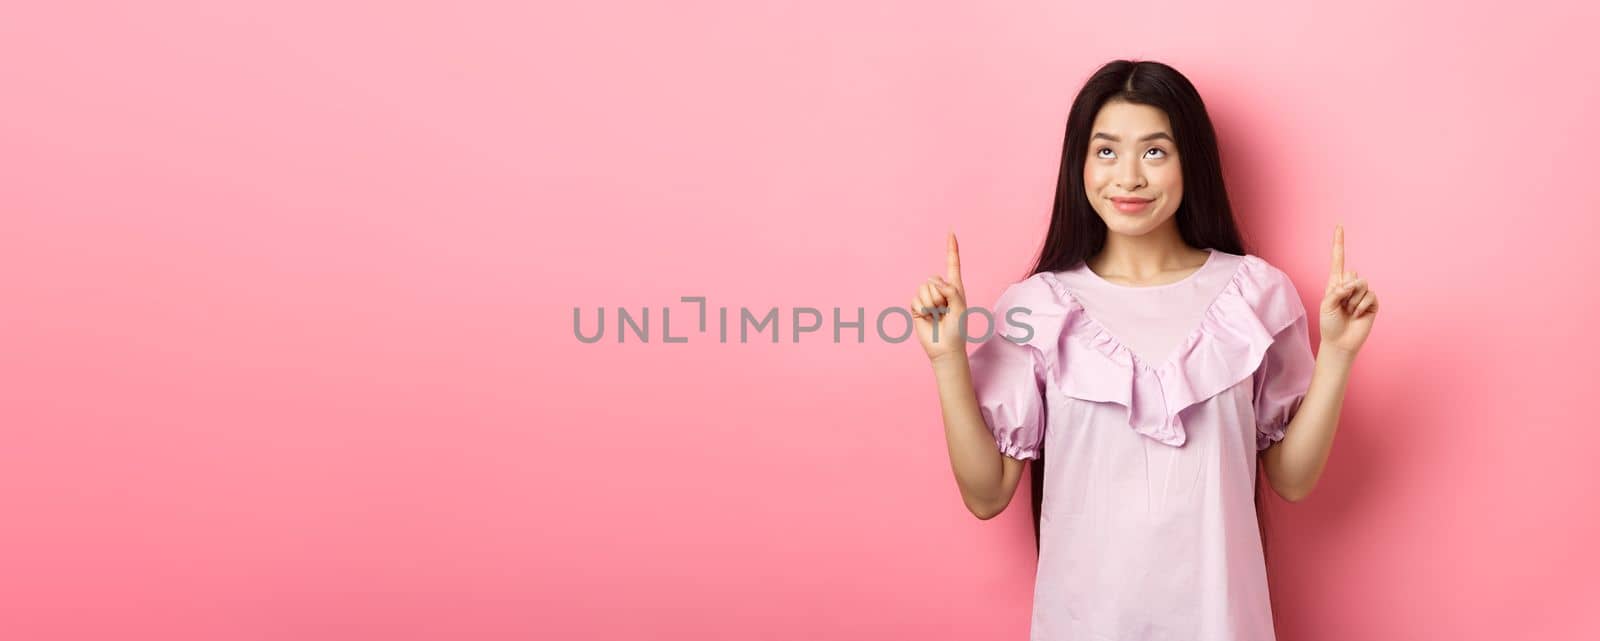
(1011, 367)
(1282, 379)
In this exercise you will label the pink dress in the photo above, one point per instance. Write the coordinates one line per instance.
(1151, 404)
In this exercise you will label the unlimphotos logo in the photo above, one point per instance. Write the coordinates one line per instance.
(891, 325)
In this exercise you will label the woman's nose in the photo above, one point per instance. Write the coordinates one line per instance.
(1130, 178)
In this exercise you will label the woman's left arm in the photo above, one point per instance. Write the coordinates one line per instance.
(1294, 464)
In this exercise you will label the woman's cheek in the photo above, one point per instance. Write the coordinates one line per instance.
(1095, 178)
(1171, 174)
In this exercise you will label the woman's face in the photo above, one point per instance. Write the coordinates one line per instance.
(1132, 156)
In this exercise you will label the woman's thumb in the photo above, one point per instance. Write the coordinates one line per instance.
(949, 291)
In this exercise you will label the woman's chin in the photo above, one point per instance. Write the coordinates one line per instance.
(1132, 224)
(1126, 225)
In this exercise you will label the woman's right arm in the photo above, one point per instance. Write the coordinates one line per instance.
(986, 477)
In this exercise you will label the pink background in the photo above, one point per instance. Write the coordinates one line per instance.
(288, 290)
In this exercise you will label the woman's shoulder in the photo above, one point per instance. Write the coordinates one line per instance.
(1036, 310)
(1043, 289)
(1259, 267)
(1268, 291)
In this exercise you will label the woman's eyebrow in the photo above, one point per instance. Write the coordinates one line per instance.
(1159, 134)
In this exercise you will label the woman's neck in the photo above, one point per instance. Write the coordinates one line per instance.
(1151, 258)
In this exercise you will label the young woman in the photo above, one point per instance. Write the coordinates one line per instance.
(1157, 366)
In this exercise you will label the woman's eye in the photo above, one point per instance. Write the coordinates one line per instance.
(1163, 152)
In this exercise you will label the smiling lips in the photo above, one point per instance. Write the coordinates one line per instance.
(1130, 205)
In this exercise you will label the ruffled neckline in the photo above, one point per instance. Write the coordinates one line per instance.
(1110, 340)
(1225, 348)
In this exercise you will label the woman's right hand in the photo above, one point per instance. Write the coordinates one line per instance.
(946, 292)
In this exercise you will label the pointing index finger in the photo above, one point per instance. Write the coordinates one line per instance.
(1336, 271)
(953, 260)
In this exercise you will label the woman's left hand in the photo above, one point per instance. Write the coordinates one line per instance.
(1348, 305)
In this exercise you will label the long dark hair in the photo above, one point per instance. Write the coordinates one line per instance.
(1204, 217)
